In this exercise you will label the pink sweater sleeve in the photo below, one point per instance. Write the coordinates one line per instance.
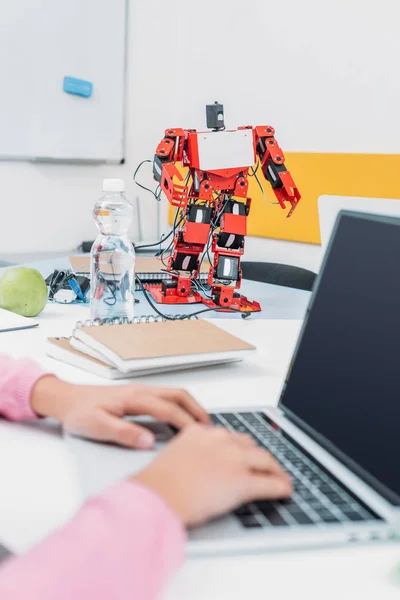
(122, 545)
(17, 378)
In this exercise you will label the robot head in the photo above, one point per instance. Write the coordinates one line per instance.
(215, 116)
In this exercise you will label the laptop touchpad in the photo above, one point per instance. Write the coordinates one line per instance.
(162, 432)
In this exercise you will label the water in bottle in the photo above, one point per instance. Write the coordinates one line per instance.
(112, 287)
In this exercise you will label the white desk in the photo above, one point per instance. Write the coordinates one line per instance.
(39, 488)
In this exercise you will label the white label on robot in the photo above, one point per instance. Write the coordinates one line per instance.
(185, 263)
(227, 268)
(196, 181)
(270, 171)
(230, 240)
(226, 149)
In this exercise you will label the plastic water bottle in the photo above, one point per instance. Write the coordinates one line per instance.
(112, 294)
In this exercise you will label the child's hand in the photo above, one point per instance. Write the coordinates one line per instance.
(207, 471)
(96, 412)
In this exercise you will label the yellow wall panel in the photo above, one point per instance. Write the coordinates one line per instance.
(369, 175)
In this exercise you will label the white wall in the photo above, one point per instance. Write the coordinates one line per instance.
(321, 72)
(178, 60)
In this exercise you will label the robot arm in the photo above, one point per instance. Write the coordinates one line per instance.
(273, 167)
(193, 228)
(170, 151)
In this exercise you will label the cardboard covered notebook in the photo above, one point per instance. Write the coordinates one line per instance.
(159, 345)
(61, 349)
(148, 268)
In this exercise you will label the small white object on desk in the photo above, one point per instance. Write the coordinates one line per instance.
(9, 321)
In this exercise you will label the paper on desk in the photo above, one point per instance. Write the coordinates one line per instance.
(11, 322)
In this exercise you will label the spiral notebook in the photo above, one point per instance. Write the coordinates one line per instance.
(153, 344)
(61, 349)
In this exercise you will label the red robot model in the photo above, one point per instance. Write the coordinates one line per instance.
(213, 206)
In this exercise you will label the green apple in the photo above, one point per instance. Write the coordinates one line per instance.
(23, 291)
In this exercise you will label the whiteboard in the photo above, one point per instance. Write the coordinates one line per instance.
(43, 41)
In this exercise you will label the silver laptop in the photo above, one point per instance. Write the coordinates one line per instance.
(336, 428)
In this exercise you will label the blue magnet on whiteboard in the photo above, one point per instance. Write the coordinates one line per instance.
(79, 87)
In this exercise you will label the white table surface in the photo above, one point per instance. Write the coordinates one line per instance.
(40, 491)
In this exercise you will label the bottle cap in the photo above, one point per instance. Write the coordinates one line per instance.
(113, 185)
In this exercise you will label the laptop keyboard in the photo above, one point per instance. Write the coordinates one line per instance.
(318, 497)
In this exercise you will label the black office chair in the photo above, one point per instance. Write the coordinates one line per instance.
(279, 274)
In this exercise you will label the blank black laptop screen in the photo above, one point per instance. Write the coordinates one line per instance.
(343, 387)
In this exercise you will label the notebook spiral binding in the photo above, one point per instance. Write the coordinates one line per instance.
(124, 320)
